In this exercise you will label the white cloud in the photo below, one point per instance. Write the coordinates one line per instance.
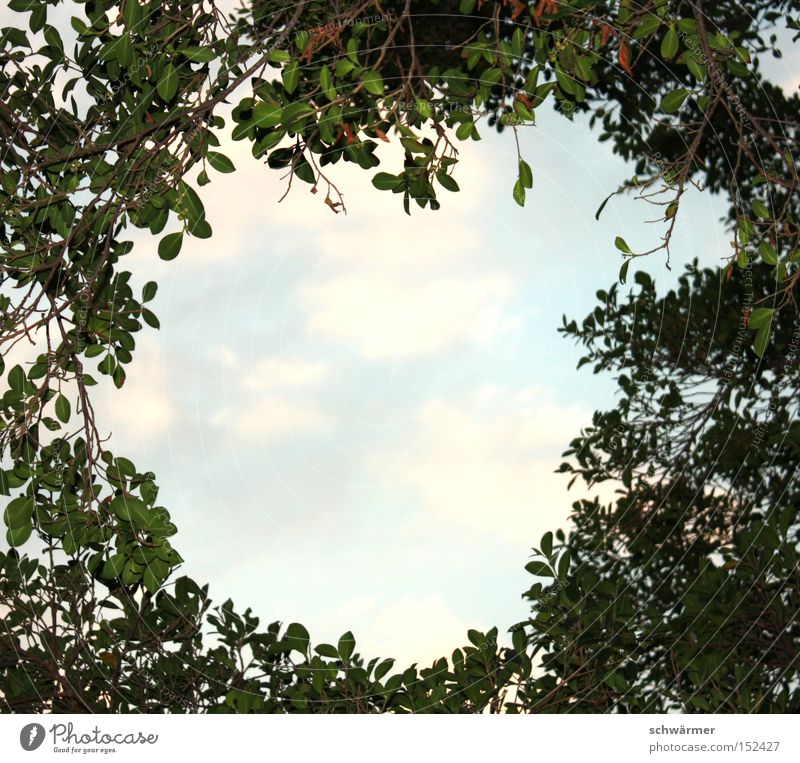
(487, 463)
(272, 373)
(390, 286)
(145, 406)
(143, 410)
(228, 358)
(388, 313)
(264, 404)
(271, 416)
(409, 629)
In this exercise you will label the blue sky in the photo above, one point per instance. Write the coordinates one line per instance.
(355, 420)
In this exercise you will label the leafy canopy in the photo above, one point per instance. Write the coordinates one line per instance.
(116, 121)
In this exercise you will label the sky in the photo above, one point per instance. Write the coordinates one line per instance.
(355, 419)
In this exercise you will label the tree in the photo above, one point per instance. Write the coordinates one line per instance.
(103, 621)
(683, 593)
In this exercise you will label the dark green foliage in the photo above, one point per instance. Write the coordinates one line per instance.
(682, 593)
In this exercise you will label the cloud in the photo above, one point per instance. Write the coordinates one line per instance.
(271, 373)
(146, 405)
(409, 629)
(264, 397)
(392, 287)
(384, 285)
(386, 313)
(271, 416)
(486, 464)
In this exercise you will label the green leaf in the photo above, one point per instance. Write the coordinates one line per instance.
(131, 573)
(464, 130)
(326, 83)
(16, 379)
(539, 568)
(130, 509)
(150, 580)
(347, 644)
(150, 319)
(220, 162)
(696, 68)
(149, 291)
(62, 408)
(383, 668)
(19, 512)
(132, 13)
(623, 271)
(38, 17)
(278, 56)
(168, 83)
(546, 543)
(199, 55)
(298, 637)
(294, 112)
(327, 650)
(760, 210)
(305, 171)
(373, 82)
(291, 77)
(270, 140)
(517, 42)
(648, 25)
(191, 205)
(446, 181)
(201, 229)
(760, 317)
(525, 174)
(622, 245)
(18, 535)
(114, 566)
(124, 50)
(603, 205)
(53, 39)
(492, 76)
(343, 67)
(767, 253)
(670, 44)
(266, 114)
(674, 100)
(617, 682)
(476, 637)
(170, 245)
(243, 130)
(762, 339)
(78, 25)
(23, 6)
(125, 465)
(519, 193)
(424, 108)
(384, 181)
